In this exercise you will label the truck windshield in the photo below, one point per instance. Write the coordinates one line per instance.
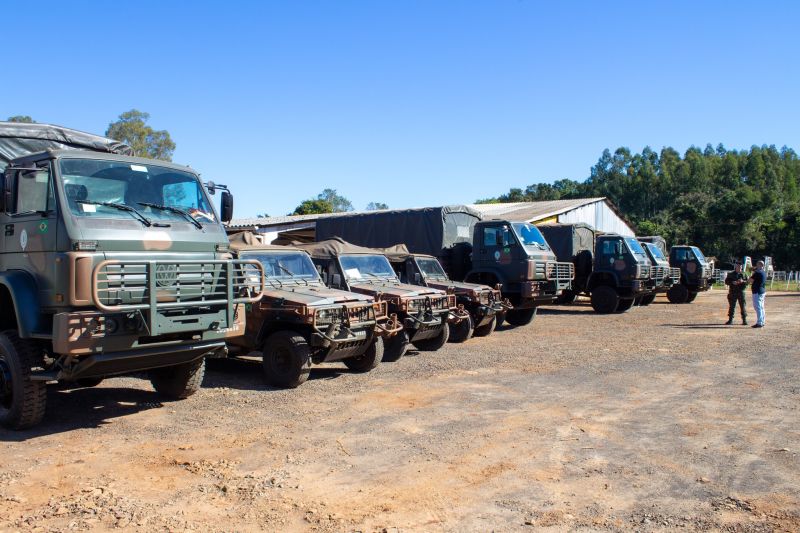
(698, 254)
(655, 251)
(366, 266)
(636, 248)
(285, 265)
(529, 235)
(159, 193)
(430, 267)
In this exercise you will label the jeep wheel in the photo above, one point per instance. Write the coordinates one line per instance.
(395, 347)
(434, 343)
(461, 331)
(179, 381)
(368, 360)
(690, 298)
(22, 400)
(647, 300)
(286, 360)
(486, 329)
(521, 317)
(604, 299)
(625, 304)
(678, 294)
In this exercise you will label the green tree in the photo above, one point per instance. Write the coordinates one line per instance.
(313, 207)
(132, 129)
(375, 206)
(21, 118)
(338, 203)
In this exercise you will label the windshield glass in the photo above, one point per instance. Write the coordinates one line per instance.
(366, 266)
(430, 267)
(89, 182)
(698, 254)
(285, 265)
(634, 245)
(529, 235)
(656, 251)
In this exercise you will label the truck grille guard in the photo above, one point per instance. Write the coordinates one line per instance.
(675, 274)
(658, 273)
(156, 288)
(560, 271)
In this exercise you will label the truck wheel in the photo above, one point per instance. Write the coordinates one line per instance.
(567, 297)
(521, 317)
(462, 331)
(678, 294)
(690, 298)
(499, 319)
(179, 381)
(486, 329)
(368, 360)
(395, 347)
(22, 401)
(286, 360)
(604, 299)
(625, 304)
(434, 343)
(647, 300)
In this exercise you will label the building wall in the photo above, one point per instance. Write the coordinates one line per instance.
(599, 215)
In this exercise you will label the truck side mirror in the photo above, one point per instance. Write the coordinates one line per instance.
(226, 206)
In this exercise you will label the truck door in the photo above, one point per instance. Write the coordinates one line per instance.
(611, 256)
(497, 245)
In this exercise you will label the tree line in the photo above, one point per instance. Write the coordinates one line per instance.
(730, 203)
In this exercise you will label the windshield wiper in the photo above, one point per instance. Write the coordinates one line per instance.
(171, 209)
(284, 269)
(122, 207)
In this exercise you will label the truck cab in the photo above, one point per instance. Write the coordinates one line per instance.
(662, 276)
(696, 273)
(516, 256)
(621, 266)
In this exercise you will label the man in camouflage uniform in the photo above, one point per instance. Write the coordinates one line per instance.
(736, 282)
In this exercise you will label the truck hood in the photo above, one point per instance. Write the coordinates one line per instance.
(314, 295)
(395, 290)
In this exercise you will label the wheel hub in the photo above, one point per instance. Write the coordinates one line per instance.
(6, 389)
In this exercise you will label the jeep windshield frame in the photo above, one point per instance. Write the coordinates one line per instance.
(290, 265)
(157, 192)
(431, 268)
(366, 267)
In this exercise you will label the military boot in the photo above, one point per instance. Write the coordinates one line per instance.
(729, 322)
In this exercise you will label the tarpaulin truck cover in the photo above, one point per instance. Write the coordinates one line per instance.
(568, 240)
(18, 139)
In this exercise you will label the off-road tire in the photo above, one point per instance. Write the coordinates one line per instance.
(691, 297)
(461, 331)
(625, 304)
(647, 300)
(434, 343)
(22, 400)
(678, 294)
(521, 317)
(368, 360)
(286, 360)
(567, 297)
(499, 319)
(486, 329)
(180, 381)
(395, 346)
(604, 299)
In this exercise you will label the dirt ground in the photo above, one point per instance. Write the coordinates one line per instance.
(656, 419)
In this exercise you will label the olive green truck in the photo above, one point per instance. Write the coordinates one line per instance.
(109, 264)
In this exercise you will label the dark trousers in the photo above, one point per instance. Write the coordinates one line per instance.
(734, 297)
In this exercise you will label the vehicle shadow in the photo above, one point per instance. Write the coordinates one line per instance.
(701, 326)
(582, 310)
(246, 374)
(86, 408)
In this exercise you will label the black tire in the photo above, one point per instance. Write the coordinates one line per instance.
(521, 317)
(286, 360)
(461, 331)
(179, 381)
(567, 297)
(691, 297)
(604, 299)
(625, 304)
(647, 300)
(486, 329)
(499, 319)
(395, 346)
(678, 294)
(368, 360)
(434, 343)
(22, 400)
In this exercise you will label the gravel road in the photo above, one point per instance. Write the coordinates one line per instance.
(656, 419)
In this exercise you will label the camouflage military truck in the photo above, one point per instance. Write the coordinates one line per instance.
(696, 273)
(662, 276)
(422, 311)
(299, 321)
(481, 302)
(611, 269)
(109, 264)
(513, 255)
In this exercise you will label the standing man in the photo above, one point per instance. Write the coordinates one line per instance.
(736, 283)
(759, 289)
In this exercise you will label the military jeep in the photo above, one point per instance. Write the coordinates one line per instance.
(422, 311)
(299, 321)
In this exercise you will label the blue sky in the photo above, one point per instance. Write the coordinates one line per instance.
(403, 102)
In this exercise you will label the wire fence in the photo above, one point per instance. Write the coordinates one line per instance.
(779, 280)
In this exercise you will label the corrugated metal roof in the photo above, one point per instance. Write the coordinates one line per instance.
(278, 221)
(527, 211)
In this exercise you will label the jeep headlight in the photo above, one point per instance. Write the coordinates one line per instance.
(328, 316)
